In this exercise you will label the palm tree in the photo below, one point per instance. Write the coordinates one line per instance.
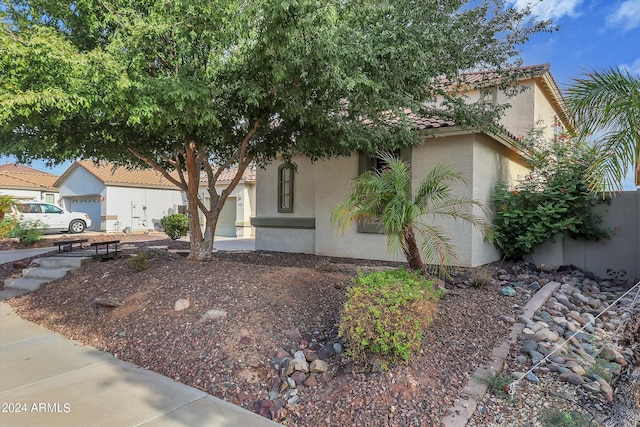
(608, 104)
(384, 196)
(6, 202)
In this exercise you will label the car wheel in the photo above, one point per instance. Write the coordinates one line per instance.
(77, 226)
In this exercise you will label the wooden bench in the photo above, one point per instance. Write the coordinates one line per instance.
(113, 244)
(68, 245)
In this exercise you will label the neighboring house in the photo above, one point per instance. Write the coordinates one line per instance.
(25, 183)
(118, 199)
(235, 218)
(294, 209)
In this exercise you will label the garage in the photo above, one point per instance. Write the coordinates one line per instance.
(88, 205)
(227, 220)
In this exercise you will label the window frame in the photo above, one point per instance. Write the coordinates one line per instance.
(285, 188)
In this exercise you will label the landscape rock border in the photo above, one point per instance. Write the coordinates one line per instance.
(475, 389)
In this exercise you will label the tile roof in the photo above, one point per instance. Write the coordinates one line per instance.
(488, 77)
(121, 176)
(26, 178)
(227, 175)
(14, 167)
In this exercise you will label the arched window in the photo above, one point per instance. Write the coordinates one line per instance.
(285, 188)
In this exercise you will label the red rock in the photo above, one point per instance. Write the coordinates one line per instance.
(311, 381)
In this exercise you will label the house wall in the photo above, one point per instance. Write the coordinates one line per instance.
(324, 184)
(244, 198)
(293, 231)
(492, 163)
(31, 194)
(140, 209)
(521, 116)
(82, 191)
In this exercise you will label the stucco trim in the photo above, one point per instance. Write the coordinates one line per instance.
(284, 222)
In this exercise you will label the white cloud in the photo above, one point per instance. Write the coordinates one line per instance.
(549, 9)
(633, 68)
(626, 16)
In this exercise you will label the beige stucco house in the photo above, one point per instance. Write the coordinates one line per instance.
(294, 209)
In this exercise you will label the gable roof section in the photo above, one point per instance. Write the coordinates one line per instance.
(249, 175)
(14, 167)
(111, 175)
(21, 177)
(541, 73)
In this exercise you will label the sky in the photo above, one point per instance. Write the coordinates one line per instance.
(591, 35)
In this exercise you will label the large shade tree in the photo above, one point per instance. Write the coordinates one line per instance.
(195, 87)
(606, 106)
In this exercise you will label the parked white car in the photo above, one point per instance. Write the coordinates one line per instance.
(54, 217)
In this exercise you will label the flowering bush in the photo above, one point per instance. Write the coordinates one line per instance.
(553, 199)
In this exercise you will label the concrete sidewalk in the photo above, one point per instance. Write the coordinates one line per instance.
(48, 380)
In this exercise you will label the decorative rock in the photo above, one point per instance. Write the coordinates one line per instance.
(579, 370)
(287, 367)
(311, 381)
(337, 348)
(293, 334)
(326, 352)
(528, 346)
(310, 355)
(300, 362)
(572, 378)
(291, 383)
(319, 366)
(606, 389)
(524, 319)
(281, 353)
(181, 304)
(536, 356)
(213, 314)
(535, 286)
(298, 377)
(107, 302)
(508, 292)
(521, 359)
(277, 412)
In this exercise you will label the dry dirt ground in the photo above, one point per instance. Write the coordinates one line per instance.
(266, 297)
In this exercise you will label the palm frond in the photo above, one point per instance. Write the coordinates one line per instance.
(608, 104)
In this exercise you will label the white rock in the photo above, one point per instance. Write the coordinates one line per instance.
(181, 304)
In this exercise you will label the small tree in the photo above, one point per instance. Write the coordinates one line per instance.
(385, 196)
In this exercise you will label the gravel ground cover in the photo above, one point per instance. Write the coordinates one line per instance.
(227, 326)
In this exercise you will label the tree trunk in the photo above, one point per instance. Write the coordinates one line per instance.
(411, 250)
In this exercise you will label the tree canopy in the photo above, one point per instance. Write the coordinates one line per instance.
(198, 86)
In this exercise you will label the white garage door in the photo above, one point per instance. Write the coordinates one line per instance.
(227, 220)
(88, 205)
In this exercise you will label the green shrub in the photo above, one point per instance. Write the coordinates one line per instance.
(552, 417)
(497, 383)
(175, 226)
(28, 232)
(7, 227)
(553, 199)
(385, 314)
(139, 261)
